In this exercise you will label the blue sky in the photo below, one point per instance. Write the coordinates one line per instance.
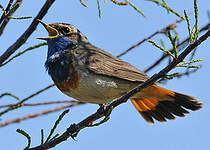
(118, 29)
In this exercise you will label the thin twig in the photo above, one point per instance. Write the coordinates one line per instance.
(8, 6)
(6, 11)
(17, 120)
(163, 30)
(10, 13)
(177, 75)
(20, 103)
(38, 104)
(169, 9)
(75, 128)
(24, 51)
(120, 3)
(204, 28)
(22, 39)
(36, 93)
(9, 94)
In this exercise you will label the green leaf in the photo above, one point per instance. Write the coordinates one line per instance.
(24, 51)
(188, 66)
(27, 136)
(164, 5)
(10, 17)
(56, 124)
(9, 94)
(191, 61)
(83, 3)
(161, 48)
(135, 8)
(99, 9)
(188, 25)
(173, 42)
(2, 8)
(196, 33)
(42, 136)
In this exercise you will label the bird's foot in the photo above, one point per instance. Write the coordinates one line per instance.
(72, 130)
(103, 109)
(106, 110)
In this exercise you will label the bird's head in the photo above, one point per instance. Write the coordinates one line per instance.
(56, 30)
(62, 37)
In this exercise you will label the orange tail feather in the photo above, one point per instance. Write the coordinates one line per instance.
(162, 109)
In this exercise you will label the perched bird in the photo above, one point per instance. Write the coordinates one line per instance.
(90, 74)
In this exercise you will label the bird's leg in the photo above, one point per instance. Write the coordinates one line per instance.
(106, 111)
(72, 130)
(102, 109)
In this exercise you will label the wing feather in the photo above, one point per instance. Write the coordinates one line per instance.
(102, 62)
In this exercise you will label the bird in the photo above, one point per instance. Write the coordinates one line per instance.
(89, 74)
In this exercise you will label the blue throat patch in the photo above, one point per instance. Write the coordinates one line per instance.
(58, 59)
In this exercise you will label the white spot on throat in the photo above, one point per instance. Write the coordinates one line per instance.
(54, 56)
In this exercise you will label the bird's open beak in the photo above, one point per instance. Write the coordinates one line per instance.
(52, 32)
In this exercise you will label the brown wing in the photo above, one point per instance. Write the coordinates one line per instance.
(104, 63)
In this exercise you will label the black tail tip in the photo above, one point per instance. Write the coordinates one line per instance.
(187, 101)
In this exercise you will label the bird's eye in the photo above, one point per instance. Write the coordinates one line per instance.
(65, 29)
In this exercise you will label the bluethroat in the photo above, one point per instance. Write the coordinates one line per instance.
(90, 74)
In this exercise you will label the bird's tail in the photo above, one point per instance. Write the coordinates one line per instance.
(164, 104)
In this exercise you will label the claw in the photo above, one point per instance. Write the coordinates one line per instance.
(103, 110)
(73, 131)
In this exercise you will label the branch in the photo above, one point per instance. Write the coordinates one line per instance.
(163, 30)
(20, 103)
(120, 3)
(8, 6)
(17, 120)
(6, 11)
(24, 51)
(177, 75)
(38, 104)
(73, 130)
(36, 93)
(5, 17)
(22, 39)
(204, 28)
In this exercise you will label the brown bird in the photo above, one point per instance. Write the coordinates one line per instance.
(90, 74)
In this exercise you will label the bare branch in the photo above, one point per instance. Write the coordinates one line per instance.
(36, 93)
(19, 104)
(120, 3)
(75, 128)
(17, 120)
(38, 104)
(163, 30)
(22, 39)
